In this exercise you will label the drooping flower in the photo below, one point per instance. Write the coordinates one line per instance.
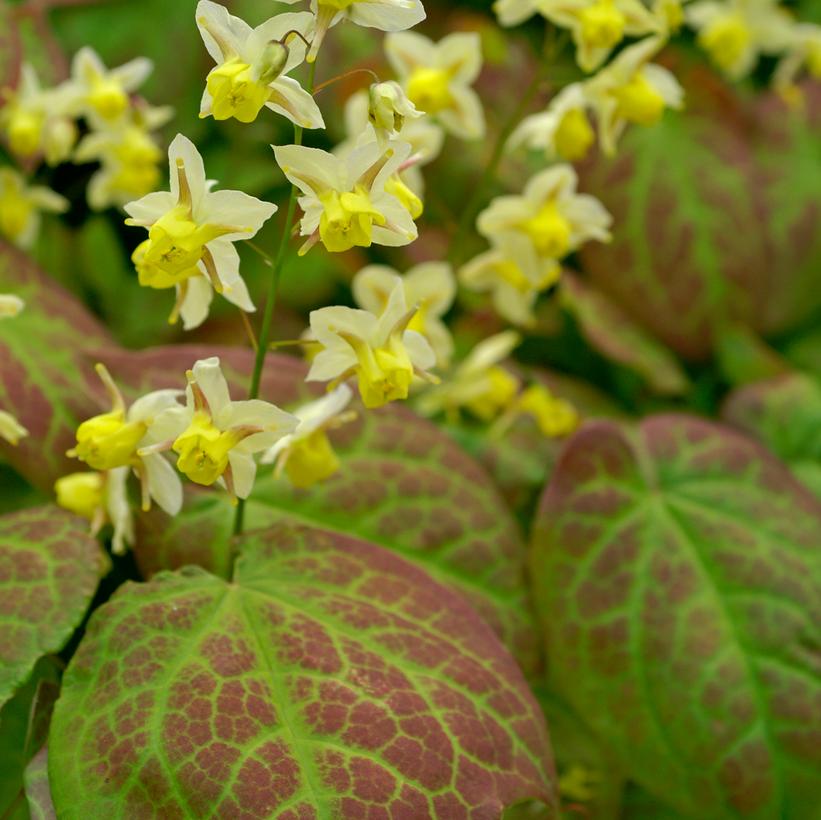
(437, 78)
(385, 15)
(114, 439)
(215, 438)
(430, 286)
(478, 384)
(735, 32)
(563, 130)
(10, 305)
(597, 26)
(307, 455)
(515, 274)
(554, 416)
(379, 350)
(191, 232)
(36, 120)
(803, 51)
(550, 214)
(632, 90)
(10, 429)
(104, 92)
(345, 202)
(128, 154)
(253, 64)
(424, 136)
(389, 109)
(101, 498)
(21, 206)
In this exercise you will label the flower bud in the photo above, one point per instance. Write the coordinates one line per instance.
(388, 106)
(271, 62)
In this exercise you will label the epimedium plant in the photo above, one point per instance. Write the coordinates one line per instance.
(363, 581)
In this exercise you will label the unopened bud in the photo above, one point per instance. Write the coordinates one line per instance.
(271, 62)
(388, 107)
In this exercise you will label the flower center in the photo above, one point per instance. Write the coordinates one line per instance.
(107, 98)
(235, 92)
(137, 172)
(602, 24)
(15, 209)
(574, 136)
(81, 493)
(555, 417)
(108, 440)
(726, 39)
(24, 130)
(638, 101)
(348, 220)
(549, 231)
(384, 373)
(203, 449)
(311, 460)
(429, 90)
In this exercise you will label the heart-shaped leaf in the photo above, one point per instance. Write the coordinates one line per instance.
(330, 678)
(45, 380)
(678, 576)
(49, 570)
(610, 331)
(784, 413)
(403, 484)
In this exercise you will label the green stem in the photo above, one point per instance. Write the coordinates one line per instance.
(273, 289)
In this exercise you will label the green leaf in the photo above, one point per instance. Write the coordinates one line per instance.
(49, 570)
(46, 380)
(24, 724)
(38, 793)
(403, 484)
(678, 578)
(614, 334)
(785, 414)
(330, 678)
(639, 805)
(744, 357)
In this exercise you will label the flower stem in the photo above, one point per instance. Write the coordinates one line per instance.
(273, 289)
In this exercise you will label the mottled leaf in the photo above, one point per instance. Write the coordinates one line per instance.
(614, 334)
(330, 678)
(784, 413)
(45, 380)
(715, 218)
(678, 576)
(38, 792)
(24, 721)
(49, 570)
(403, 484)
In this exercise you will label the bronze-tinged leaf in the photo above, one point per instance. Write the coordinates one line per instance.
(46, 378)
(49, 571)
(403, 484)
(785, 414)
(329, 678)
(677, 573)
(38, 793)
(613, 333)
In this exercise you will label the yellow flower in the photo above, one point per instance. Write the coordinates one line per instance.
(386, 15)
(105, 92)
(345, 201)
(380, 351)
(437, 78)
(21, 206)
(550, 214)
(430, 286)
(215, 438)
(113, 440)
(36, 120)
(252, 66)
(515, 274)
(191, 232)
(597, 26)
(306, 455)
(631, 89)
(479, 384)
(555, 417)
(101, 498)
(735, 32)
(563, 130)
